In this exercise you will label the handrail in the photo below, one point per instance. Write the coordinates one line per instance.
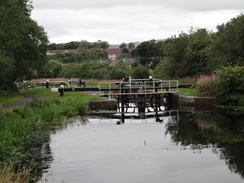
(144, 83)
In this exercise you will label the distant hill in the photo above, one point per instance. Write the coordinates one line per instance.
(113, 46)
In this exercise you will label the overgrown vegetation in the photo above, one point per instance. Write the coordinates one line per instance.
(23, 49)
(227, 85)
(18, 125)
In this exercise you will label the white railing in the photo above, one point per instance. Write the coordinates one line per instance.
(144, 85)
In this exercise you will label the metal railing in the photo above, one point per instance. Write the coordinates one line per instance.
(144, 85)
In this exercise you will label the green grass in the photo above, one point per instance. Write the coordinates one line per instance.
(76, 95)
(189, 91)
(40, 91)
(9, 100)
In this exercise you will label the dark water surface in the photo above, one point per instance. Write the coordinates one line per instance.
(187, 148)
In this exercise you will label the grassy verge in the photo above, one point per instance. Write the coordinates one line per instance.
(18, 125)
(8, 97)
(189, 91)
(9, 100)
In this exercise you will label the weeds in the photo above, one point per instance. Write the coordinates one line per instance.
(8, 174)
(19, 124)
(206, 84)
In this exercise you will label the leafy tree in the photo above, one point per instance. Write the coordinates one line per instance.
(172, 51)
(71, 45)
(195, 58)
(52, 46)
(228, 44)
(123, 45)
(166, 68)
(230, 85)
(72, 70)
(104, 45)
(86, 71)
(149, 53)
(140, 72)
(120, 70)
(124, 56)
(101, 44)
(131, 45)
(23, 49)
(52, 69)
(85, 45)
(124, 50)
(80, 56)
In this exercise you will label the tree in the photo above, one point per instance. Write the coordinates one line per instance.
(131, 45)
(120, 70)
(23, 49)
(86, 71)
(194, 62)
(173, 51)
(52, 69)
(71, 45)
(149, 53)
(227, 45)
(85, 45)
(104, 45)
(124, 50)
(123, 45)
(124, 56)
(140, 72)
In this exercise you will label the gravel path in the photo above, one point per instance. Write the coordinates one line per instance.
(27, 98)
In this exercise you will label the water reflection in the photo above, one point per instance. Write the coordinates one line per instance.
(165, 141)
(222, 129)
(37, 153)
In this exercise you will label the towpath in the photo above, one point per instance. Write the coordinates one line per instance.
(27, 98)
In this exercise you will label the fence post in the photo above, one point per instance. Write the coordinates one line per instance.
(61, 90)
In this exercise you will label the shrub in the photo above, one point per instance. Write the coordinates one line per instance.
(206, 85)
(227, 85)
(140, 72)
(230, 85)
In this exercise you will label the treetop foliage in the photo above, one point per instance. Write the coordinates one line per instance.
(23, 43)
(82, 45)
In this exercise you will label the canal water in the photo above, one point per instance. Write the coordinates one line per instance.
(180, 146)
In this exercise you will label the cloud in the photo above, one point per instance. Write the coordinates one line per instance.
(129, 20)
(194, 5)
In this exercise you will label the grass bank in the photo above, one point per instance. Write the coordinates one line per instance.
(19, 124)
(8, 97)
(189, 91)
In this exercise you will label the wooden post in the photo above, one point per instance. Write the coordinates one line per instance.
(47, 84)
(141, 105)
(123, 108)
(61, 90)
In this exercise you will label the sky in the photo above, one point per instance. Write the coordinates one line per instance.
(129, 20)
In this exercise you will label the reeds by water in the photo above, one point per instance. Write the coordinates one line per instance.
(19, 124)
(206, 84)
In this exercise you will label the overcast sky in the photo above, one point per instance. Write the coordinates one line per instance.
(129, 20)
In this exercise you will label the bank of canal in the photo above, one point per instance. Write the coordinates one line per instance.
(200, 147)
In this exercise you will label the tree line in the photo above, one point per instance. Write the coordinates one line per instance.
(23, 43)
(199, 51)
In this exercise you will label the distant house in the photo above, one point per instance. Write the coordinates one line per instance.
(53, 52)
(113, 53)
(128, 62)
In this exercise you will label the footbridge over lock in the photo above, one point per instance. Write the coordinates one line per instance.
(137, 97)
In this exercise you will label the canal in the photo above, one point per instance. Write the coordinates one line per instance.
(184, 146)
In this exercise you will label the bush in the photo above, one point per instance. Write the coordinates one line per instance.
(230, 85)
(140, 72)
(18, 124)
(206, 85)
(227, 85)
